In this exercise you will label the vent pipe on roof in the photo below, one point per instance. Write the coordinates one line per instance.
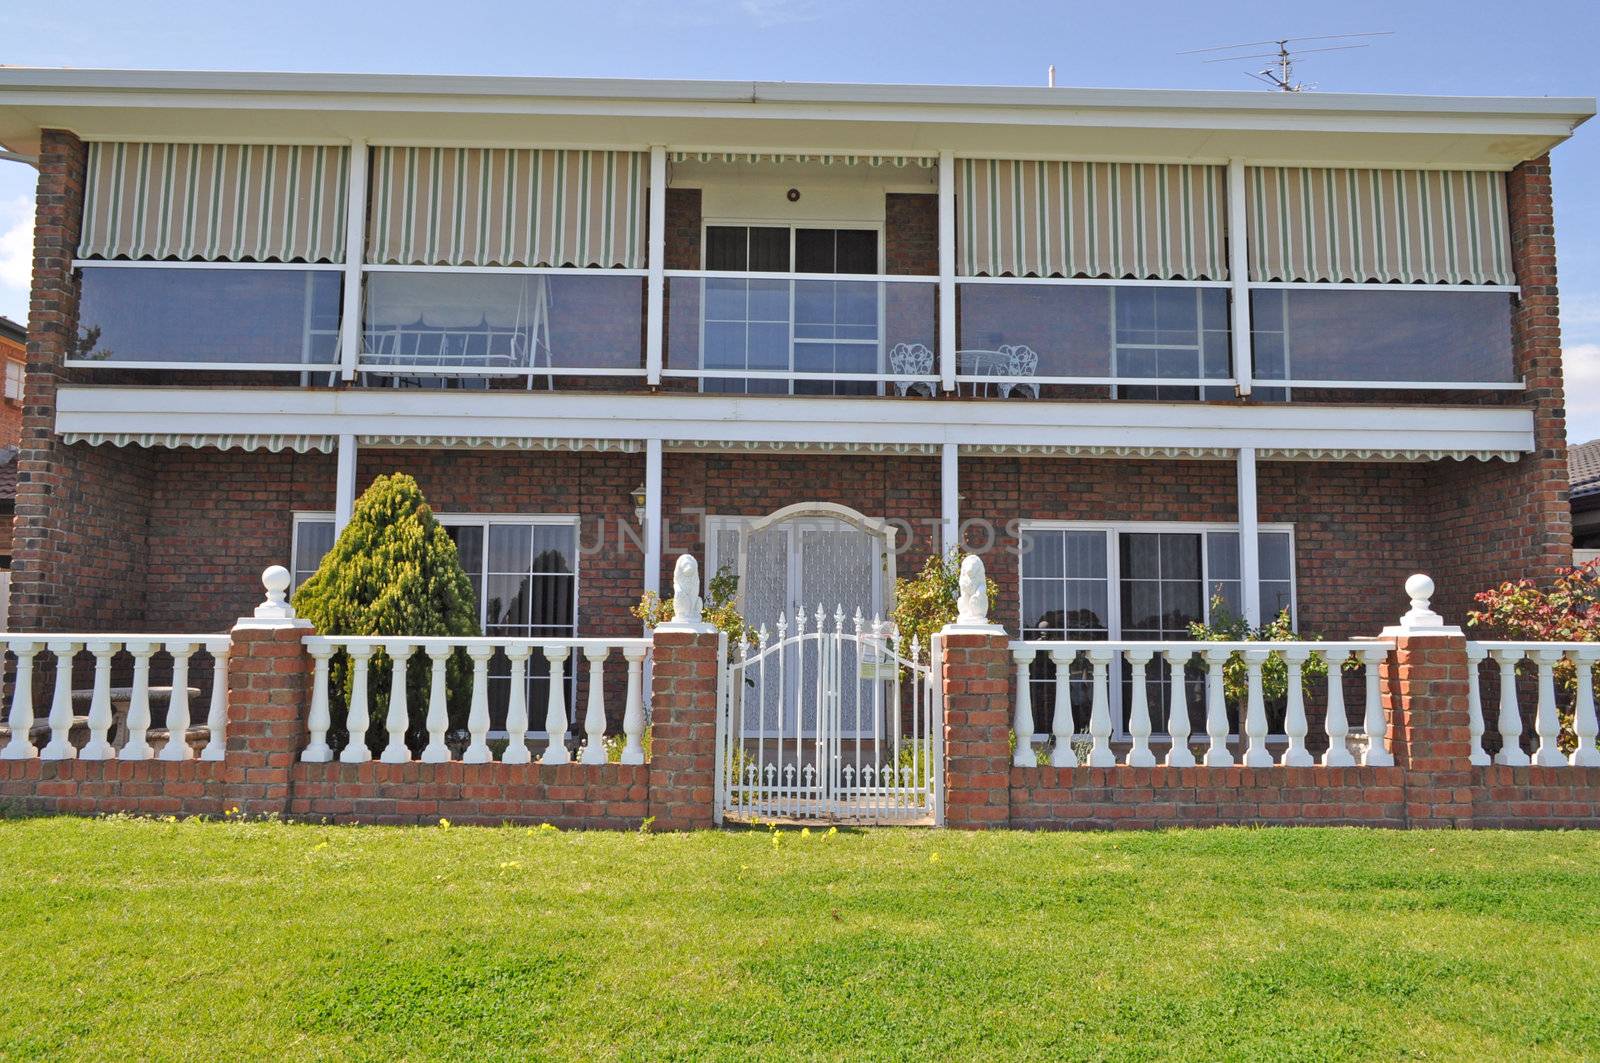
(1050, 78)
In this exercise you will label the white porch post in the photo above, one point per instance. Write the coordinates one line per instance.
(949, 499)
(947, 271)
(1239, 277)
(656, 281)
(1249, 538)
(344, 484)
(652, 515)
(355, 251)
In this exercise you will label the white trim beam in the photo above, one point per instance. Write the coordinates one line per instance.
(344, 491)
(949, 498)
(947, 271)
(355, 250)
(652, 515)
(1239, 277)
(717, 420)
(1249, 538)
(655, 262)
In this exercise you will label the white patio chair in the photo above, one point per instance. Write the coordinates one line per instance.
(911, 359)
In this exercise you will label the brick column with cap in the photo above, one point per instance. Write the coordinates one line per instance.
(976, 676)
(1425, 703)
(269, 686)
(686, 666)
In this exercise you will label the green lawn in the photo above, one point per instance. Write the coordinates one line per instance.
(124, 938)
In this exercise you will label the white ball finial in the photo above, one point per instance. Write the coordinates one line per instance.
(276, 580)
(1421, 615)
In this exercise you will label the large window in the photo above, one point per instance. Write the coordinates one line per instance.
(1136, 582)
(524, 574)
(817, 327)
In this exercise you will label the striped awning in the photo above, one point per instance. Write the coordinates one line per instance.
(1091, 219)
(1409, 226)
(925, 162)
(215, 202)
(507, 207)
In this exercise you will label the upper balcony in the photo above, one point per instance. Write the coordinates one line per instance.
(905, 277)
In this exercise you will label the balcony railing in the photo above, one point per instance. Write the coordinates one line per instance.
(792, 333)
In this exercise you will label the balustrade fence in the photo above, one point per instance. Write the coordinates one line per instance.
(357, 658)
(118, 722)
(1171, 680)
(1562, 674)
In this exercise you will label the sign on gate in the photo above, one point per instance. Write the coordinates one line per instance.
(828, 718)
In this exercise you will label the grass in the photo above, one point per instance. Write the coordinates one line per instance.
(126, 938)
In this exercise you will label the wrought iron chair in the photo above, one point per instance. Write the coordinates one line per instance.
(911, 359)
(1021, 361)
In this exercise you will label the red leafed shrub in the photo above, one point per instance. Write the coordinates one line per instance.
(1568, 610)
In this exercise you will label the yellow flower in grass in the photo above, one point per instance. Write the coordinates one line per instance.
(805, 832)
(444, 824)
(933, 858)
(832, 831)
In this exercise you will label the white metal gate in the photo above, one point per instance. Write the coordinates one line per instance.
(830, 718)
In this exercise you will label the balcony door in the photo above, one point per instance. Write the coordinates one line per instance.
(797, 333)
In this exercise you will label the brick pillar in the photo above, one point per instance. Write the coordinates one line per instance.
(1425, 703)
(269, 693)
(683, 728)
(976, 675)
(81, 543)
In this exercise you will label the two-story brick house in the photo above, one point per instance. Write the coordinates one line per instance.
(1138, 347)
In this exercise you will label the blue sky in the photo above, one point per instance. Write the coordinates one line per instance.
(1452, 47)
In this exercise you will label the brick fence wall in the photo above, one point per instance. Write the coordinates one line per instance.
(1430, 785)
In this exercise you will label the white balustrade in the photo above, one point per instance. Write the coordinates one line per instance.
(493, 661)
(1563, 678)
(142, 654)
(1130, 700)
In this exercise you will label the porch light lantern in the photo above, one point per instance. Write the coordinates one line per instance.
(638, 495)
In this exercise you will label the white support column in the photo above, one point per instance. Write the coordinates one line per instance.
(949, 499)
(1249, 538)
(947, 271)
(652, 515)
(355, 251)
(656, 281)
(1239, 276)
(344, 483)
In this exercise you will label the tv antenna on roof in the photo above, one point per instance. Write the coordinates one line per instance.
(1280, 75)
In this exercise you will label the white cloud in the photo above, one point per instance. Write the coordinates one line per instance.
(16, 256)
(1580, 363)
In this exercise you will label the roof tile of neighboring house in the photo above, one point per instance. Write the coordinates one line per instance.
(1583, 468)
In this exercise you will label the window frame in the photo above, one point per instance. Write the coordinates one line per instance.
(20, 369)
(483, 520)
(1112, 532)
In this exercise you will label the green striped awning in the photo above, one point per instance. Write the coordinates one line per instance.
(1409, 226)
(507, 207)
(1091, 219)
(215, 202)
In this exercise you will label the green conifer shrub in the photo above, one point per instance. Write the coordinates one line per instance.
(393, 571)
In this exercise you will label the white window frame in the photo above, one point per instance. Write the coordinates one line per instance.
(305, 369)
(19, 368)
(1112, 531)
(790, 375)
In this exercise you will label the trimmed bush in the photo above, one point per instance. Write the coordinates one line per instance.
(393, 571)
